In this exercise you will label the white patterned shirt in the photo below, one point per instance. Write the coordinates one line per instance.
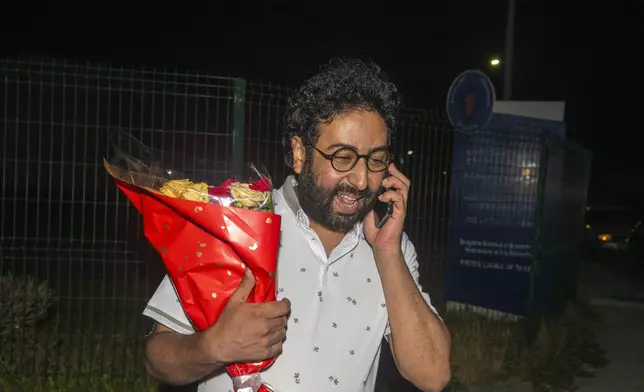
(338, 312)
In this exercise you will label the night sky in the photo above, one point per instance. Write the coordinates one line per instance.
(563, 51)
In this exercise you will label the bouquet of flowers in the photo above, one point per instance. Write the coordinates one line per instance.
(207, 235)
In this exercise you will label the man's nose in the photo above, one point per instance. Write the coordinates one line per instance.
(360, 175)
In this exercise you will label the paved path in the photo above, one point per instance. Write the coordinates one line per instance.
(621, 333)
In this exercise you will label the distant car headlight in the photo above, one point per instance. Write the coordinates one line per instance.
(605, 237)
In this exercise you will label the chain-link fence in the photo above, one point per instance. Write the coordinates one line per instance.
(66, 227)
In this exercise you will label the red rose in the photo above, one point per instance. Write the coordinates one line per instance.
(222, 190)
(226, 184)
(262, 185)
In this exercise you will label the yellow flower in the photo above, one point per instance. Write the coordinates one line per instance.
(185, 189)
(247, 197)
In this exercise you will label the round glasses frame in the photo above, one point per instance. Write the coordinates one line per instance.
(367, 157)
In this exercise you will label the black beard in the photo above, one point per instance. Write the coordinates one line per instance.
(317, 202)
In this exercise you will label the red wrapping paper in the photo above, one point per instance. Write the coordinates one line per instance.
(206, 249)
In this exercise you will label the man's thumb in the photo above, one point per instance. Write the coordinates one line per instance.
(245, 287)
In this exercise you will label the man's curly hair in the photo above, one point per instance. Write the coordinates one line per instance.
(342, 86)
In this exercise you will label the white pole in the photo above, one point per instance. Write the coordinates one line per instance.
(509, 52)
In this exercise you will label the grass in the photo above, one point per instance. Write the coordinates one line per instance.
(80, 361)
(482, 348)
(85, 345)
(487, 352)
(70, 344)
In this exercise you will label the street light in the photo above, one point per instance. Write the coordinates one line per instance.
(495, 62)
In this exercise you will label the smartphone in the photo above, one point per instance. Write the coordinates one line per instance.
(383, 210)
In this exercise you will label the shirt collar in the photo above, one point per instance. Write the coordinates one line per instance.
(288, 192)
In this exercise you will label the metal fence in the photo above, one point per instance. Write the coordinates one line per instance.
(63, 222)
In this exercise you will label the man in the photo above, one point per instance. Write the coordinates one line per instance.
(348, 283)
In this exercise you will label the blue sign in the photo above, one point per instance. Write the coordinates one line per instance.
(493, 206)
(470, 101)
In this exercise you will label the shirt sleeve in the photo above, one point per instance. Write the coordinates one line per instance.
(164, 308)
(411, 259)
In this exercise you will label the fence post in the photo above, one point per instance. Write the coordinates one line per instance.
(239, 119)
(535, 311)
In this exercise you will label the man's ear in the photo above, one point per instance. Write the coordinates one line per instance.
(299, 154)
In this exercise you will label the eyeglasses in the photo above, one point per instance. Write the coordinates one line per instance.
(346, 159)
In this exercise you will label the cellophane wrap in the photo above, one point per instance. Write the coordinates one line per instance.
(207, 234)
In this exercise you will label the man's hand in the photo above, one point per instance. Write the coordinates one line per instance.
(246, 332)
(243, 333)
(387, 239)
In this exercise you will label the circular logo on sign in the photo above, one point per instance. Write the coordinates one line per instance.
(470, 101)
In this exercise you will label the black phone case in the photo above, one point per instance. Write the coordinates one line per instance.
(383, 210)
(383, 213)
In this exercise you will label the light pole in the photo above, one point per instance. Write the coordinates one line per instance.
(509, 51)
